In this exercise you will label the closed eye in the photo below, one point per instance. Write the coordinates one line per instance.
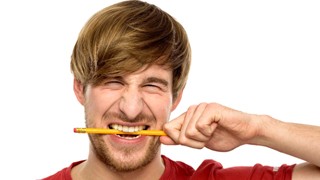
(154, 88)
(113, 84)
(155, 84)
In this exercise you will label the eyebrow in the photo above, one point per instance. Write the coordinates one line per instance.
(156, 80)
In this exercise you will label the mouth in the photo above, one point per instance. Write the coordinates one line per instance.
(128, 129)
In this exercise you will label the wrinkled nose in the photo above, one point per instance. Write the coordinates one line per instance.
(131, 103)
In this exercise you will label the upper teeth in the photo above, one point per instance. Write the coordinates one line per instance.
(127, 128)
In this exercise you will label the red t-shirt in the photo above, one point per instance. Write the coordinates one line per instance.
(209, 169)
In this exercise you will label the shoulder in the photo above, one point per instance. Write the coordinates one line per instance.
(63, 174)
(211, 169)
(176, 169)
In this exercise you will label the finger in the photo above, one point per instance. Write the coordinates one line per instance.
(207, 121)
(192, 131)
(197, 140)
(188, 115)
(173, 128)
(192, 143)
(176, 128)
(167, 140)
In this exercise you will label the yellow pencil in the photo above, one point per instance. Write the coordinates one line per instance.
(114, 131)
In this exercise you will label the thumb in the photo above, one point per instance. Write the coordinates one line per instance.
(173, 130)
(167, 140)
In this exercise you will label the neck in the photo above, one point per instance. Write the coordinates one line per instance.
(93, 168)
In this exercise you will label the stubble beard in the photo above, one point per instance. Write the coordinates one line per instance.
(126, 161)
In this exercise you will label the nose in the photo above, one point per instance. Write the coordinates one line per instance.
(131, 103)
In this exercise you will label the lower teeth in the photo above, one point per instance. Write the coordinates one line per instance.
(126, 136)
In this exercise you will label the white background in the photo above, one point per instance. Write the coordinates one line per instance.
(255, 56)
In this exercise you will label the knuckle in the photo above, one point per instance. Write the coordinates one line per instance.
(183, 140)
(191, 133)
(203, 104)
(192, 107)
(166, 126)
(213, 105)
(201, 126)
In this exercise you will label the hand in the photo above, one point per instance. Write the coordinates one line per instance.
(213, 126)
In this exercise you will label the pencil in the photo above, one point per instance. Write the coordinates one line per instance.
(114, 131)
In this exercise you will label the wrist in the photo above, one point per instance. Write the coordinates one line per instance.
(266, 132)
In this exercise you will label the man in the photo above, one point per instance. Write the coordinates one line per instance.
(130, 66)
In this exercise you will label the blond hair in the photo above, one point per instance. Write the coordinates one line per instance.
(127, 36)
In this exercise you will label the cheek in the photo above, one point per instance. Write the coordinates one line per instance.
(97, 103)
(160, 107)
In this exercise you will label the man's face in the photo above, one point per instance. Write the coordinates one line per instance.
(142, 100)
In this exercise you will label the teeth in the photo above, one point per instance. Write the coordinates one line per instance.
(127, 128)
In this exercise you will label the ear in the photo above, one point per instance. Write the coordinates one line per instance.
(78, 91)
(177, 100)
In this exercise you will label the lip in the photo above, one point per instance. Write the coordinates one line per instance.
(127, 142)
(128, 123)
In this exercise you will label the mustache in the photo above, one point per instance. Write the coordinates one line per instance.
(122, 116)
